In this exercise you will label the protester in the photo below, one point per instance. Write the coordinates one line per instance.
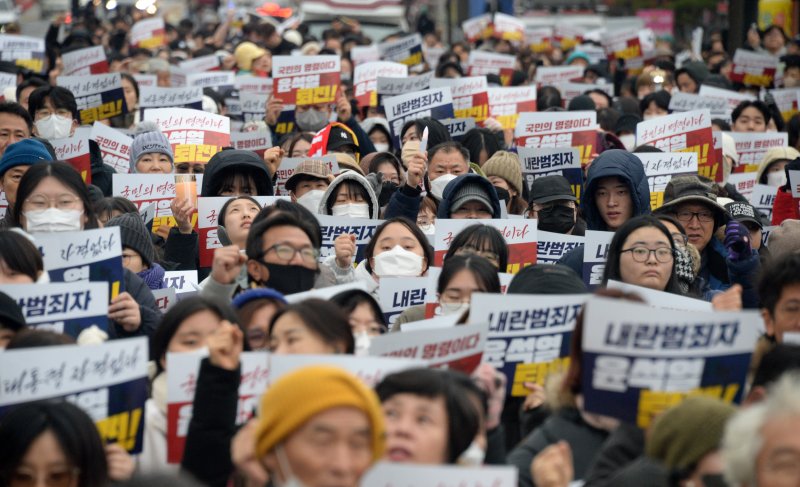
(469, 196)
(308, 184)
(481, 240)
(365, 317)
(11, 320)
(504, 171)
(151, 152)
(255, 309)
(20, 260)
(14, 163)
(553, 204)
(750, 116)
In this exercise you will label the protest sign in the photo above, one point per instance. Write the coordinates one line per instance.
(256, 141)
(481, 63)
(158, 97)
(538, 163)
(505, 104)
(637, 363)
(253, 107)
(183, 370)
(568, 35)
(88, 255)
(794, 183)
(165, 298)
(477, 28)
(98, 96)
(86, 61)
(662, 299)
(289, 165)
(108, 381)
(331, 291)
(683, 132)
(436, 322)
(7, 80)
(386, 474)
(753, 68)
(75, 151)
(624, 45)
(407, 50)
(399, 86)
(763, 198)
(26, 52)
(752, 146)
(529, 335)
(216, 80)
(195, 135)
(507, 27)
(436, 103)
(364, 54)
(114, 146)
(396, 294)
(365, 80)
(458, 127)
(148, 33)
(306, 80)
(208, 209)
(571, 90)
(786, 100)
(199, 64)
(732, 98)
(661, 167)
(595, 253)
(684, 102)
(285, 124)
(253, 84)
(145, 189)
(554, 75)
(371, 370)
(539, 39)
(551, 247)
(520, 237)
(3, 203)
(470, 98)
(459, 347)
(149, 80)
(744, 182)
(63, 307)
(181, 281)
(543, 130)
(333, 226)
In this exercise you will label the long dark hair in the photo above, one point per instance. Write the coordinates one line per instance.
(74, 430)
(324, 319)
(612, 269)
(482, 270)
(66, 175)
(427, 250)
(478, 236)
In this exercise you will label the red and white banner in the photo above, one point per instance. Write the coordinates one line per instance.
(90, 60)
(752, 146)
(75, 151)
(753, 69)
(520, 237)
(505, 104)
(365, 80)
(148, 33)
(470, 96)
(195, 135)
(559, 130)
(485, 62)
(114, 145)
(306, 80)
(553, 75)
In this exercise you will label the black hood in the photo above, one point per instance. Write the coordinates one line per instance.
(232, 160)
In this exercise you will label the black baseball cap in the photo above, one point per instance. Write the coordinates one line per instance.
(551, 188)
(744, 212)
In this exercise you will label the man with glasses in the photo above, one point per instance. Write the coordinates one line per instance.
(282, 253)
(694, 203)
(553, 204)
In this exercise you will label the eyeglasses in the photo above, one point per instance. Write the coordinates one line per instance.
(702, 216)
(287, 253)
(46, 112)
(42, 202)
(486, 254)
(55, 478)
(642, 254)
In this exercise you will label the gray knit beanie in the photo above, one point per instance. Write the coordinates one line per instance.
(148, 139)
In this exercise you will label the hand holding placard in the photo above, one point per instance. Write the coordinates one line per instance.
(227, 264)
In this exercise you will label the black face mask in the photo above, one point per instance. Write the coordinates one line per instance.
(559, 219)
(288, 279)
(503, 194)
(388, 188)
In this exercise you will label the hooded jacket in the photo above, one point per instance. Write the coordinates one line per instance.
(226, 160)
(455, 185)
(333, 188)
(625, 166)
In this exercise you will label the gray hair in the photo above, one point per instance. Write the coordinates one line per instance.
(742, 441)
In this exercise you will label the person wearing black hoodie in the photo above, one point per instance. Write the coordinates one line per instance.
(469, 196)
(616, 190)
(230, 172)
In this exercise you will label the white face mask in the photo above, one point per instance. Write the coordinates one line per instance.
(472, 456)
(311, 200)
(649, 117)
(438, 185)
(362, 340)
(453, 308)
(54, 127)
(53, 220)
(776, 179)
(353, 210)
(286, 469)
(381, 147)
(629, 141)
(398, 262)
(429, 229)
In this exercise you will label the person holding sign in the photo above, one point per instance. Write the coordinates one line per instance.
(138, 253)
(151, 152)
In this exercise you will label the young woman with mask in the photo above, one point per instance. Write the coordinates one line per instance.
(365, 316)
(350, 194)
(312, 326)
(185, 328)
(430, 418)
(461, 276)
(20, 260)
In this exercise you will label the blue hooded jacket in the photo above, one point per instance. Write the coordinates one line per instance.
(453, 186)
(625, 166)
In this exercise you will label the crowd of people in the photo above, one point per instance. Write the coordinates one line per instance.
(322, 426)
